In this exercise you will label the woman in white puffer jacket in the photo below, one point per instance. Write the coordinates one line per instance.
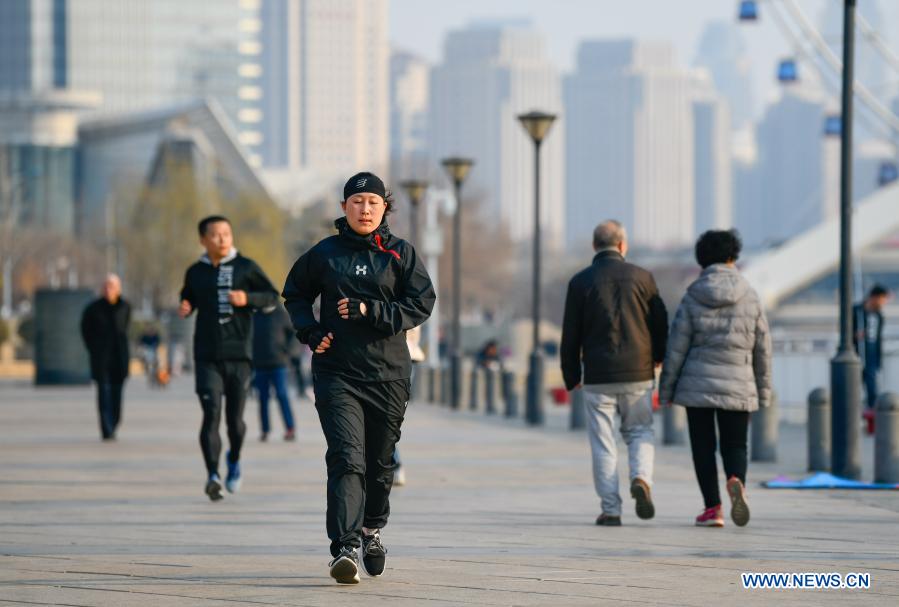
(718, 366)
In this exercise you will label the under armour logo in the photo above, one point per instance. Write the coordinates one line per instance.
(361, 182)
(361, 270)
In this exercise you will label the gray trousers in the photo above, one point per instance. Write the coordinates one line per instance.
(635, 411)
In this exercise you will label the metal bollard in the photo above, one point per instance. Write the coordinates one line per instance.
(578, 418)
(510, 395)
(473, 389)
(432, 384)
(886, 439)
(674, 425)
(490, 390)
(445, 385)
(765, 424)
(818, 430)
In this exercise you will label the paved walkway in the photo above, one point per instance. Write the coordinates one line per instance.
(494, 514)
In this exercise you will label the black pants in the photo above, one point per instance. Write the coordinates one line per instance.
(214, 380)
(109, 407)
(361, 422)
(733, 427)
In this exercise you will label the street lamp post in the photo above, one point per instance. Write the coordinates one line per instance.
(537, 125)
(457, 168)
(415, 190)
(845, 368)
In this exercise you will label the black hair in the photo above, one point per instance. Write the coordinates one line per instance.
(718, 246)
(878, 290)
(204, 223)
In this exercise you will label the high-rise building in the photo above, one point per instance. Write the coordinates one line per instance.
(137, 54)
(630, 152)
(324, 85)
(491, 72)
(713, 160)
(798, 167)
(409, 88)
(722, 52)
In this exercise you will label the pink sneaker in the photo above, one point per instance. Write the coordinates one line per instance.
(711, 517)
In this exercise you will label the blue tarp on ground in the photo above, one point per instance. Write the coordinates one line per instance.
(824, 480)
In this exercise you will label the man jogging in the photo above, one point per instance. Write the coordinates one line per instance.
(104, 329)
(615, 329)
(224, 288)
(373, 287)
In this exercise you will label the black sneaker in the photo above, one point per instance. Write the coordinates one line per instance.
(608, 520)
(374, 554)
(640, 492)
(345, 566)
(214, 487)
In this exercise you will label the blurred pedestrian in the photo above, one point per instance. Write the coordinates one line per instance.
(272, 341)
(867, 324)
(224, 288)
(149, 344)
(373, 288)
(104, 329)
(416, 355)
(613, 338)
(718, 366)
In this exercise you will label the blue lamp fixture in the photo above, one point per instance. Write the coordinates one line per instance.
(749, 10)
(888, 173)
(788, 71)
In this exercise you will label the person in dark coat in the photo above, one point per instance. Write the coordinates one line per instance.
(867, 325)
(373, 288)
(225, 288)
(614, 335)
(104, 329)
(272, 342)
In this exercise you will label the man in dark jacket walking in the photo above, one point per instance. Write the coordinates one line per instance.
(272, 342)
(104, 329)
(867, 322)
(613, 337)
(225, 288)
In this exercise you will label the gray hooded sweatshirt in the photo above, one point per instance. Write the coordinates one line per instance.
(719, 348)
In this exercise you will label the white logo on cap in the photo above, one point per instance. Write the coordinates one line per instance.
(361, 183)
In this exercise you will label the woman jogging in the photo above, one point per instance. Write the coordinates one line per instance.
(373, 287)
(718, 366)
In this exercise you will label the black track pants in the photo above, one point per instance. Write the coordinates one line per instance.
(361, 422)
(229, 379)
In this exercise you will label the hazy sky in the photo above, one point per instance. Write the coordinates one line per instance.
(420, 25)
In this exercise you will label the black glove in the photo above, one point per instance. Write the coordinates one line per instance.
(354, 308)
(312, 337)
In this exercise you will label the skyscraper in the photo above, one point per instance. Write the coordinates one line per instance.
(137, 54)
(409, 95)
(797, 165)
(722, 52)
(630, 152)
(490, 73)
(713, 165)
(324, 84)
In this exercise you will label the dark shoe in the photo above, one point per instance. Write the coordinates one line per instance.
(263, 437)
(739, 509)
(345, 566)
(608, 520)
(214, 487)
(290, 435)
(374, 554)
(640, 492)
(233, 480)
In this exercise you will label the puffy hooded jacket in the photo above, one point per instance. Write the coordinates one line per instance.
(719, 347)
(379, 269)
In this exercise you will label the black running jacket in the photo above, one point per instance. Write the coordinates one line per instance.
(383, 271)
